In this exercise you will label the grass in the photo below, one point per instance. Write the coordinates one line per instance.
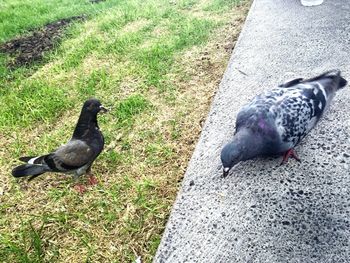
(156, 64)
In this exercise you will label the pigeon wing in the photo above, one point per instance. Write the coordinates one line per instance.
(71, 156)
(289, 112)
(291, 83)
(75, 153)
(298, 111)
(293, 113)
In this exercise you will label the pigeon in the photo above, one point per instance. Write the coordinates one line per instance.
(276, 121)
(77, 155)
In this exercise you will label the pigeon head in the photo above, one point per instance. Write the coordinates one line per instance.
(244, 146)
(93, 106)
(230, 156)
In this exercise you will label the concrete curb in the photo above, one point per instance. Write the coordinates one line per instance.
(263, 212)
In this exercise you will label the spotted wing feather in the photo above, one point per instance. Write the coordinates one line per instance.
(286, 112)
(298, 110)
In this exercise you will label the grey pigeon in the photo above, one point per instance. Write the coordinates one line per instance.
(277, 120)
(77, 155)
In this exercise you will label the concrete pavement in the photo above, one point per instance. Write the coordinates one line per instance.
(263, 212)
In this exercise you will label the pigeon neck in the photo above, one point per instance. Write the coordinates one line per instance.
(250, 144)
(86, 122)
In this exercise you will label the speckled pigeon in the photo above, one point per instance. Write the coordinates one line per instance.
(277, 120)
(77, 155)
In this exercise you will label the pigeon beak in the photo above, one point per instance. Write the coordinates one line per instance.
(225, 171)
(103, 109)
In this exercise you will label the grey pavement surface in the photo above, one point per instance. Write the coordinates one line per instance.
(263, 212)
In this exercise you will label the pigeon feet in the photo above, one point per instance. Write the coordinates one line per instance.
(290, 153)
(92, 180)
(80, 188)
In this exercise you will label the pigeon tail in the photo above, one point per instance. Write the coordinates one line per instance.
(26, 158)
(342, 82)
(33, 159)
(28, 170)
(334, 75)
(337, 79)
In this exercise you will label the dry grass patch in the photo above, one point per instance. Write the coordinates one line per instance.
(135, 26)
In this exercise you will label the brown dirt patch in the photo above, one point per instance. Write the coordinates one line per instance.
(28, 49)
